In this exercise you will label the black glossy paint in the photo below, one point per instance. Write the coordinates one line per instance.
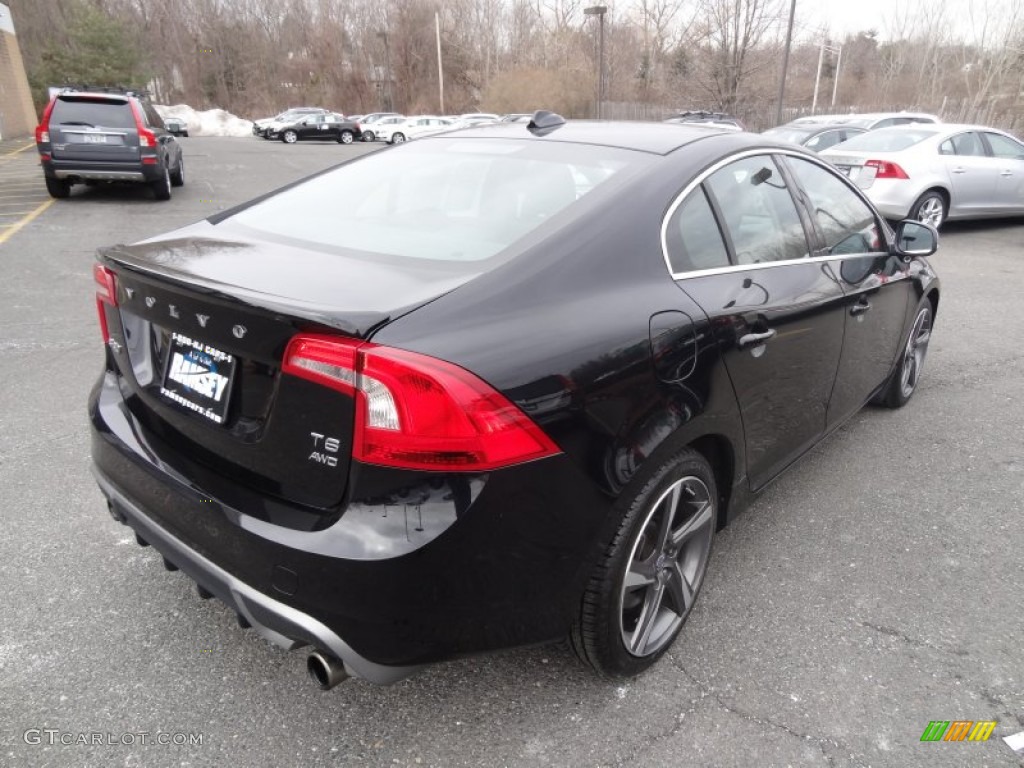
(585, 329)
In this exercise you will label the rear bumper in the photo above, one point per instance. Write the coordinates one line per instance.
(275, 621)
(418, 569)
(102, 171)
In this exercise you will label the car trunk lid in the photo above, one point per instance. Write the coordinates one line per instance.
(199, 334)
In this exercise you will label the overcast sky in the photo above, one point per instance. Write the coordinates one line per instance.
(969, 18)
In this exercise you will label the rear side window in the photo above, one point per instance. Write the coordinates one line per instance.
(968, 145)
(846, 222)
(440, 199)
(92, 112)
(760, 216)
(824, 140)
(692, 237)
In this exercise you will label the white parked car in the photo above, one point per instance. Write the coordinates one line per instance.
(870, 121)
(478, 118)
(936, 172)
(370, 122)
(414, 127)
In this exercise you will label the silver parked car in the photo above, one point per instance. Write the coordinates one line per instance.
(814, 136)
(870, 121)
(936, 172)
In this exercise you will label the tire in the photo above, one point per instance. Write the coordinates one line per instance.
(397, 138)
(931, 208)
(904, 380)
(162, 187)
(58, 188)
(178, 175)
(289, 137)
(345, 137)
(663, 546)
(369, 136)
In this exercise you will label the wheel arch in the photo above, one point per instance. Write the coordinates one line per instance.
(717, 450)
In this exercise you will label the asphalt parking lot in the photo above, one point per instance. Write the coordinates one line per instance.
(877, 586)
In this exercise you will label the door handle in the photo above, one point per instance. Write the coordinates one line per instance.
(860, 307)
(754, 339)
(959, 169)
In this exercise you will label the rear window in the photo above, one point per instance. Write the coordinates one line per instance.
(888, 139)
(453, 200)
(92, 112)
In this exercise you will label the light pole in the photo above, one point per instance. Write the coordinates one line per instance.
(599, 11)
(785, 63)
(387, 61)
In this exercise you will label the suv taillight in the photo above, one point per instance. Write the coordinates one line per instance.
(418, 412)
(146, 138)
(43, 129)
(106, 293)
(886, 170)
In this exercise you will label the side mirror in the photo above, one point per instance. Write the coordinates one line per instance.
(915, 238)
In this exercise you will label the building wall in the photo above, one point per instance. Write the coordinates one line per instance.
(17, 114)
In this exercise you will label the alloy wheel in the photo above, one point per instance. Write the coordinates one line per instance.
(666, 566)
(931, 211)
(917, 348)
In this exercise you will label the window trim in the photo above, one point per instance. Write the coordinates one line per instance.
(701, 177)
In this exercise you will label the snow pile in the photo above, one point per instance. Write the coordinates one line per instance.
(211, 122)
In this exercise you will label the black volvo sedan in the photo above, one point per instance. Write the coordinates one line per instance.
(506, 397)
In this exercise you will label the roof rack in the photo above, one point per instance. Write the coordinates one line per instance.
(123, 90)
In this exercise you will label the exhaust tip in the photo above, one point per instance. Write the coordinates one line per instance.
(326, 671)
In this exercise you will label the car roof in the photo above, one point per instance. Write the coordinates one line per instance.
(658, 138)
(815, 127)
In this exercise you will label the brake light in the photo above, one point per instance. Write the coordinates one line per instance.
(106, 293)
(43, 129)
(418, 412)
(886, 170)
(146, 138)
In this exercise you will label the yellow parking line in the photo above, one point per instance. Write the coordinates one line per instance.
(16, 151)
(5, 236)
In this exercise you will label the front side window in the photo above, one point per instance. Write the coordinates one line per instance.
(845, 221)
(823, 141)
(1003, 146)
(759, 214)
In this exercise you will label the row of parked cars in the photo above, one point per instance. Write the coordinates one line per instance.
(912, 165)
(302, 123)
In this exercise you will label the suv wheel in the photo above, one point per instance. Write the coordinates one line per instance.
(59, 188)
(368, 136)
(289, 137)
(162, 187)
(178, 176)
(345, 137)
(398, 138)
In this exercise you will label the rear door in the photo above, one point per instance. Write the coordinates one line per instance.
(973, 175)
(92, 128)
(1008, 156)
(738, 246)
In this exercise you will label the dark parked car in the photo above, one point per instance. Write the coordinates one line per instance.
(176, 125)
(330, 127)
(506, 394)
(814, 137)
(91, 138)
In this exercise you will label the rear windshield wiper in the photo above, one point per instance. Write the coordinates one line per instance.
(78, 122)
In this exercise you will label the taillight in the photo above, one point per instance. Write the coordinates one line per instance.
(886, 170)
(418, 412)
(146, 138)
(106, 293)
(43, 129)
